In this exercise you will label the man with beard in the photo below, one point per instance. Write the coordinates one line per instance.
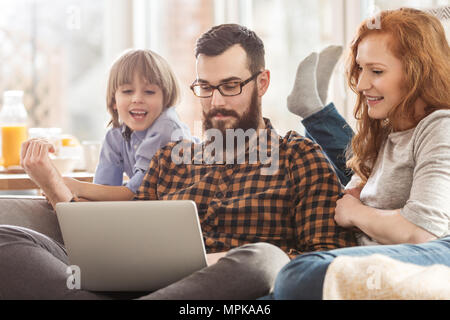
(247, 214)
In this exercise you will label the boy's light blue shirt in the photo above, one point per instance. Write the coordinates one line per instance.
(118, 155)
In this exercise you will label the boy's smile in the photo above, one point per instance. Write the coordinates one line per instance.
(139, 103)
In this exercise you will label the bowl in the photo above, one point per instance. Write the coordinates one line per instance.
(65, 164)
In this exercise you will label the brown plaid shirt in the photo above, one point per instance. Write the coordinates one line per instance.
(292, 208)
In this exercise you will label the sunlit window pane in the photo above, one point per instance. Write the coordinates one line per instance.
(53, 51)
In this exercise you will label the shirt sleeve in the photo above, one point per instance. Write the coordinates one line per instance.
(429, 203)
(148, 188)
(110, 166)
(316, 189)
(354, 182)
(156, 140)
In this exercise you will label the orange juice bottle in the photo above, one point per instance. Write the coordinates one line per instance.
(13, 122)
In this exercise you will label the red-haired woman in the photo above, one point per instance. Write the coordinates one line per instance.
(400, 154)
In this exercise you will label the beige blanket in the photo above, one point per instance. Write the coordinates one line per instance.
(380, 277)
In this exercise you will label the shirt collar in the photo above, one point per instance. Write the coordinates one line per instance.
(127, 133)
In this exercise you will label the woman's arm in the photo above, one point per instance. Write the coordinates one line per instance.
(426, 213)
(98, 192)
(384, 226)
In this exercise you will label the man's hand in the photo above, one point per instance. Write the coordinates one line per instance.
(34, 159)
(212, 258)
(346, 208)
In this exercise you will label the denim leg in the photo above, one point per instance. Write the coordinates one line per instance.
(303, 277)
(330, 130)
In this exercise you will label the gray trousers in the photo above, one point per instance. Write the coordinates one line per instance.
(33, 266)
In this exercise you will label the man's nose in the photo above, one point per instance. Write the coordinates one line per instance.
(217, 98)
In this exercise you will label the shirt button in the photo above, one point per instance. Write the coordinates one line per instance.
(135, 147)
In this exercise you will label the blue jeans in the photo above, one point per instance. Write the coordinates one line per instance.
(303, 277)
(333, 134)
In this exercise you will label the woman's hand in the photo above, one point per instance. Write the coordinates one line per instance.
(346, 208)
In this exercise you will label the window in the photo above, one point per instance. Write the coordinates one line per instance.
(53, 51)
(59, 52)
(440, 8)
(174, 38)
(290, 29)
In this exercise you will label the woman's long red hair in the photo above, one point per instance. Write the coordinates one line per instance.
(418, 40)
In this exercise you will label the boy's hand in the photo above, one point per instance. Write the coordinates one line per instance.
(72, 184)
(34, 159)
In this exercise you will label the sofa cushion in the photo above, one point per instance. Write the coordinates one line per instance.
(30, 212)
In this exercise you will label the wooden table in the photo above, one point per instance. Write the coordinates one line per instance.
(21, 181)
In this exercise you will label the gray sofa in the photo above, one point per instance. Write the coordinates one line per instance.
(30, 212)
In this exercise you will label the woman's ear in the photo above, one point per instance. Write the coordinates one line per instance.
(263, 82)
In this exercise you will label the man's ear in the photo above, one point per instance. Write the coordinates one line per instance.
(263, 82)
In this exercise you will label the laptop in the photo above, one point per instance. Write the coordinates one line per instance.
(132, 245)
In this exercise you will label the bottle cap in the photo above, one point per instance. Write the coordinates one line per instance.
(13, 112)
(12, 97)
(13, 93)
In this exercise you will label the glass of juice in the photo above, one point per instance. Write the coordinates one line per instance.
(12, 139)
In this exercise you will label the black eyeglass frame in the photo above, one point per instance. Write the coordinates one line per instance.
(241, 84)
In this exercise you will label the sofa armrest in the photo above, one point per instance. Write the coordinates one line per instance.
(32, 212)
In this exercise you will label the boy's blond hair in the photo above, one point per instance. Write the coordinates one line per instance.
(151, 67)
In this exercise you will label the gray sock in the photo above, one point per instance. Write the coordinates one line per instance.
(304, 99)
(328, 58)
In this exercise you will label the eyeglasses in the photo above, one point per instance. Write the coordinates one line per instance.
(227, 89)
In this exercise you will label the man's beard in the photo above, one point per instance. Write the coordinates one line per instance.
(249, 119)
